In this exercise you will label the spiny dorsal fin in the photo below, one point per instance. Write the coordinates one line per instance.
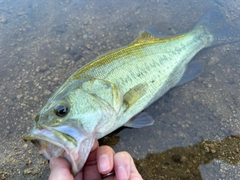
(143, 36)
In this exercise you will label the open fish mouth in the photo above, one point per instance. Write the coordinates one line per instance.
(48, 149)
(51, 142)
(64, 141)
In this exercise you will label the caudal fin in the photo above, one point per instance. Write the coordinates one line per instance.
(221, 29)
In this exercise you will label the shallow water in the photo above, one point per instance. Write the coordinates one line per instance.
(196, 134)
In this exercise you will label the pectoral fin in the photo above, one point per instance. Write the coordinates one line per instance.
(105, 91)
(134, 94)
(140, 121)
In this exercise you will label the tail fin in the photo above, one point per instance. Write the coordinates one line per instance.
(221, 29)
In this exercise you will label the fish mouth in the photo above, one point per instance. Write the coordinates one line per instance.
(50, 142)
(64, 141)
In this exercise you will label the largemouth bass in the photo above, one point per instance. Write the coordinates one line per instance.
(113, 90)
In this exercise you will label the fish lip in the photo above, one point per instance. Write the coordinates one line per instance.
(47, 142)
(40, 134)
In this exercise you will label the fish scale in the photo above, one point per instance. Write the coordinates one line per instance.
(156, 65)
(163, 66)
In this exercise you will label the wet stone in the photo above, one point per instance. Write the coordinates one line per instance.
(176, 158)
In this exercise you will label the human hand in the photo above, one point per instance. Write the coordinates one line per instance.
(101, 160)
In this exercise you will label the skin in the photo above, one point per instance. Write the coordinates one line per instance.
(101, 160)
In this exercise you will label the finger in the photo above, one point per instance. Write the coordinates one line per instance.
(60, 169)
(90, 170)
(105, 159)
(92, 156)
(125, 167)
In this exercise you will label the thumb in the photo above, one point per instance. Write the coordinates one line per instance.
(60, 169)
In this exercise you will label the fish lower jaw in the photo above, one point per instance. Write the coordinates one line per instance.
(76, 156)
(50, 150)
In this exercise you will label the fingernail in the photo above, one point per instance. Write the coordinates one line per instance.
(104, 163)
(122, 173)
(52, 161)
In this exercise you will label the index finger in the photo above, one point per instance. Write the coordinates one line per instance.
(60, 169)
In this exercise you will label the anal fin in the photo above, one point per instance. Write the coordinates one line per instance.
(193, 70)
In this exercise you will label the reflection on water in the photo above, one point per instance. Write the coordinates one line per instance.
(42, 43)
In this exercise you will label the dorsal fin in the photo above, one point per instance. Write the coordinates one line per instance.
(143, 36)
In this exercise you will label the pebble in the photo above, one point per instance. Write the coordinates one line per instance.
(9, 102)
(2, 87)
(195, 97)
(41, 68)
(27, 171)
(30, 152)
(47, 92)
(84, 36)
(25, 146)
(55, 79)
(36, 98)
(213, 60)
(19, 96)
(3, 19)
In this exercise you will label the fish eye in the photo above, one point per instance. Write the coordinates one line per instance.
(61, 110)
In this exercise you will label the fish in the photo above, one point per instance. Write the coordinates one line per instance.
(113, 90)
